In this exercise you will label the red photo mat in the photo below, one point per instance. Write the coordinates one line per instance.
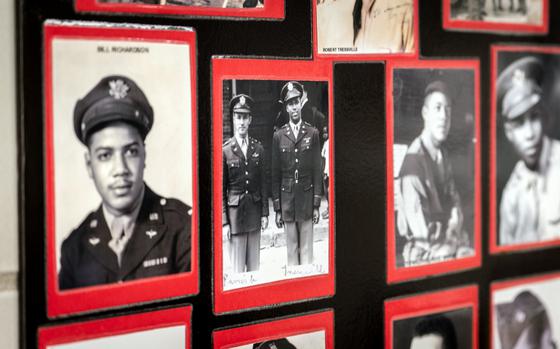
(139, 291)
(495, 27)
(263, 331)
(273, 10)
(505, 284)
(493, 229)
(116, 325)
(395, 274)
(284, 291)
(431, 303)
(367, 56)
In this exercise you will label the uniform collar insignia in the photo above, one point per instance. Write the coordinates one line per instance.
(151, 233)
(94, 241)
(118, 89)
(307, 139)
(255, 155)
(93, 223)
(154, 216)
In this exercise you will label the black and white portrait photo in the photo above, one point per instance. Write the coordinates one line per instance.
(122, 160)
(515, 12)
(313, 340)
(526, 314)
(365, 26)
(201, 3)
(433, 165)
(275, 155)
(527, 147)
(447, 330)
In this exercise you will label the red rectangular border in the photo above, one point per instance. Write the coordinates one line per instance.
(273, 10)
(263, 331)
(505, 284)
(492, 27)
(138, 291)
(367, 56)
(431, 303)
(493, 225)
(395, 274)
(291, 290)
(117, 325)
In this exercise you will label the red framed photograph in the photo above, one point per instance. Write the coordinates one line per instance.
(524, 148)
(443, 319)
(169, 328)
(120, 165)
(235, 9)
(311, 331)
(524, 312)
(433, 168)
(523, 17)
(273, 185)
(384, 29)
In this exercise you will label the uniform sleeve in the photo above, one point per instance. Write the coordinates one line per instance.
(66, 273)
(225, 219)
(264, 186)
(412, 190)
(317, 171)
(183, 247)
(508, 216)
(275, 172)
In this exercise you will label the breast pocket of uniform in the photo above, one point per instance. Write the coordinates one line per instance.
(287, 185)
(306, 183)
(286, 152)
(234, 167)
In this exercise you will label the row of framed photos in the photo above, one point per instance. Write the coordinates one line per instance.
(524, 313)
(141, 81)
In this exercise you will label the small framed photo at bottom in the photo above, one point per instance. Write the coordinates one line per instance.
(525, 312)
(433, 168)
(169, 329)
(443, 319)
(273, 182)
(312, 331)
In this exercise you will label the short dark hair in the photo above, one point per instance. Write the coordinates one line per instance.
(440, 325)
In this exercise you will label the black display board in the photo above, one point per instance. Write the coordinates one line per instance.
(359, 119)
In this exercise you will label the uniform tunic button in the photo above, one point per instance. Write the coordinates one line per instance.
(296, 150)
(246, 173)
(297, 160)
(246, 163)
(247, 182)
(246, 192)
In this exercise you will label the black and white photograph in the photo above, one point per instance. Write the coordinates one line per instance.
(498, 11)
(433, 165)
(446, 330)
(526, 313)
(313, 340)
(120, 151)
(527, 148)
(346, 27)
(275, 154)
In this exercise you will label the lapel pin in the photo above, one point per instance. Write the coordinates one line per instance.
(94, 241)
(151, 233)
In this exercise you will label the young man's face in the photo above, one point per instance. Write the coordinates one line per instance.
(115, 161)
(436, 113)
(429, 341)
(525, 133)
(293, 108)
(241, 122)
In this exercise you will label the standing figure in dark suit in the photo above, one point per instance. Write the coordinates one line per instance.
(134, 233)
(296, 177)
(245, 201)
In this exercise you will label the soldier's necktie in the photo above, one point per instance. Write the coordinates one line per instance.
(244, 146)
(117, 243)
(296, 131)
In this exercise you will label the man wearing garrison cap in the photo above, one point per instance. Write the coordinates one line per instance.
(530, 202)
(134, 233)
(296, 177)
(524, 324)
(433, 224)
(245, 201)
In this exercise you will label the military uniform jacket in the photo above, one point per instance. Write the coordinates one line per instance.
(296, 172)
(244, 197)
(160, 245)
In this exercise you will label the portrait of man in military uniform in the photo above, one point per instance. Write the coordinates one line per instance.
(272, 166)
(365, 26)
(433, 134)
(134, 233)
(312, 340)
(528, 152)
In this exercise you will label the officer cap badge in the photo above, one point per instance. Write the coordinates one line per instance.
(242, 100)
(94, 241)
(151, 233)
(290, 86)
(118, 89)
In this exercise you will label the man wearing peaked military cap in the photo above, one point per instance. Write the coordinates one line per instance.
(281, 343)
(244, 197)
(296, 177)
(530, 202)
(524, 323)
(135, 233)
